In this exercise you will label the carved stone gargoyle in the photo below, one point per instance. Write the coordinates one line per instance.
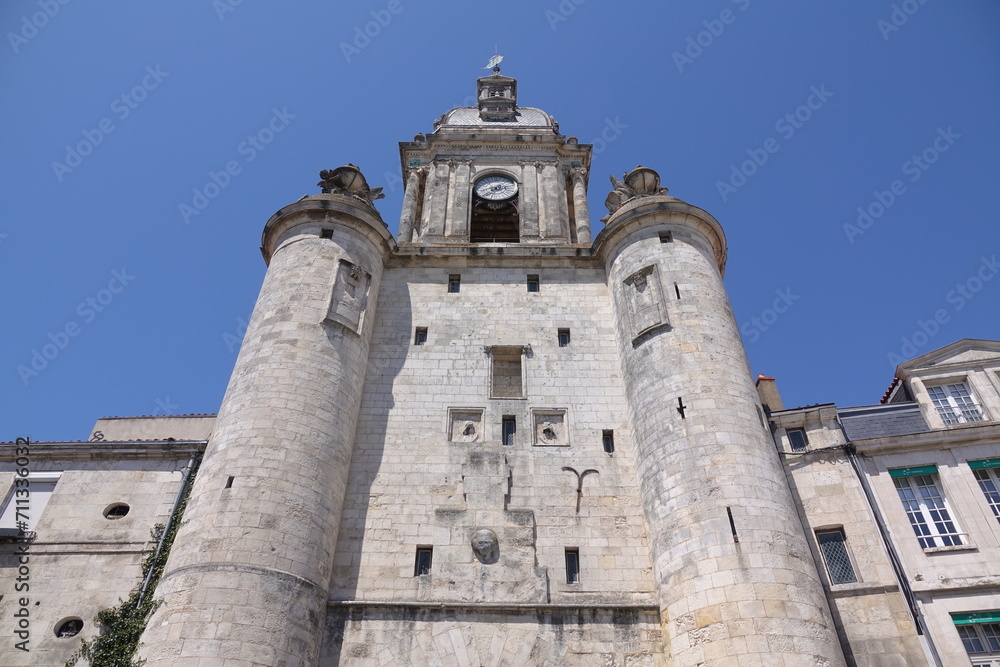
(348, 181)
(640, 182)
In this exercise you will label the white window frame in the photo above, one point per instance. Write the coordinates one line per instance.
(928, 512)
(989, 482)
(8, 515)
(955, 403)
(981, 642)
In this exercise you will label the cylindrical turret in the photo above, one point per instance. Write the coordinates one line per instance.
(732, 566)
(249, 573)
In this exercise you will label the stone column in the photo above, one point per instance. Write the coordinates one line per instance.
(581, 213)
(435, 200)
(409, 214)
(552, 193)
(458, 207)
(528, 206)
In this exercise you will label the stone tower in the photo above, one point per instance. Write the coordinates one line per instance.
(493, 439)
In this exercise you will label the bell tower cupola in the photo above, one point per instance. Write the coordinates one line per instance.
(495, 173)
(497, 94)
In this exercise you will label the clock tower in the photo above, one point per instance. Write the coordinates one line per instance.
(496, 173)
(494, 439)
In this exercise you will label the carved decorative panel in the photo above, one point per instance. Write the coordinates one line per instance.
(350, 296)
(465, 424)
(643, 297)
(550, 428)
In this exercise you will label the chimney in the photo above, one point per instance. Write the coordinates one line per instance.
(767, 390)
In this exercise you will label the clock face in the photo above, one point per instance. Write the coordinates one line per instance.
(496, 187)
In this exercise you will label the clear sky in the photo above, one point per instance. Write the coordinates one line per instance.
(849, 149)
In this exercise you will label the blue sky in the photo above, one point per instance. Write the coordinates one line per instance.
(782, 121)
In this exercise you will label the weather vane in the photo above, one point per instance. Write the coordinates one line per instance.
(494, 62)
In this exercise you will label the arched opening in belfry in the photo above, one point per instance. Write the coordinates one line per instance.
(494, 217)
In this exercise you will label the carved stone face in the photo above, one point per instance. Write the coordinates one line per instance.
(485, 545)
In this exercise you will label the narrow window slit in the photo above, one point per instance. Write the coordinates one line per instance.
(509, 429)
(423, 562)
(732, 524)
(572, 566)
(681, 407)
(677, 290)
(229, 482)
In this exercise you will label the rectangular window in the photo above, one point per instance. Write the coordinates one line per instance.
(420, 337)
(454, 283)
(506, 373)
(989, 481)
(326, 234)
(666, 237)
(980, 633)
(925, 507)
(608, 439)
(563, 337)
(797, 439)
(27, 499)
(572, 566)
(532, 283)
(955, 404)
(508, 430)
(838, 562)
(423, 563)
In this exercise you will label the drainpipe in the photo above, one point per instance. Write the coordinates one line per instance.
(181, 494)
(894, 560)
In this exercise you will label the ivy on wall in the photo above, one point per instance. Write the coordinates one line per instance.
(122, 626)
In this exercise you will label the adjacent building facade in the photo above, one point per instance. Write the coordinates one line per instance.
(498, 439)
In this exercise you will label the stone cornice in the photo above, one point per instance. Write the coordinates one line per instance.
(328, 208)
(661, 209)
(131, 449)
(945, 438)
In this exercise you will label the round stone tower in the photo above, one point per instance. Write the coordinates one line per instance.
(248, 577)
(733, 570)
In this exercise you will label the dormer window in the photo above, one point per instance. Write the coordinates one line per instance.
(955, 404)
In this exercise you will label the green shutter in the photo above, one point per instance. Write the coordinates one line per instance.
(985, 463)
(978, 617)
(910, 472)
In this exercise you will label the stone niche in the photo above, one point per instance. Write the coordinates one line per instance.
(465, 425)
(550, 427)
(350, 296)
